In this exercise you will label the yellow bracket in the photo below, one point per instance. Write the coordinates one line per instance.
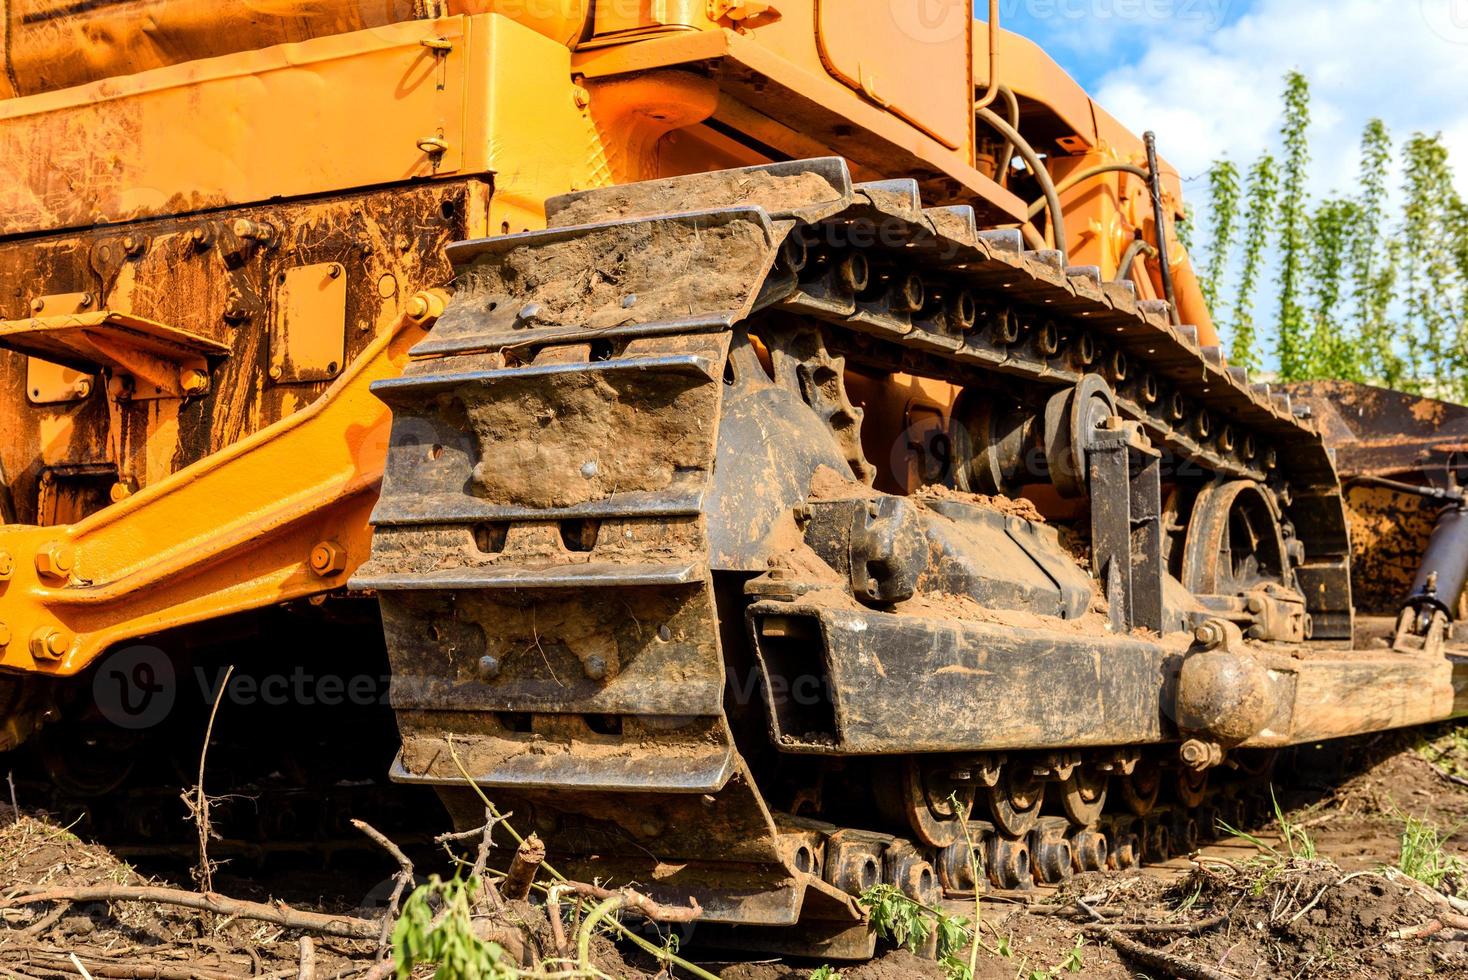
(234, 532)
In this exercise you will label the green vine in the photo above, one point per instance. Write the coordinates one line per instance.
(1373, 260)
(1223, 207)
(1293, 227)
(1259, 221)
(1332, 350)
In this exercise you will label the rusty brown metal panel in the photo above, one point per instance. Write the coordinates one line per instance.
(203, 276)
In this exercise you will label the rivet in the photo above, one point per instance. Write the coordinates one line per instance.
(7, 566)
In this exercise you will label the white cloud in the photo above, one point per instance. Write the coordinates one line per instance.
(1219, 94)
(1404, 61)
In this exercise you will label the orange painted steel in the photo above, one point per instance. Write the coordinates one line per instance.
(193, 111)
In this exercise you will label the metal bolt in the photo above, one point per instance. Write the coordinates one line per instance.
(328, 558)
(489, 667)
(121, 490)
(193, 381)
(254, 230)
(596, 667)
(133, 246)
(1198, 755)
(37, 305)
(83, 388)
(335, 271)
(1210, 633)
(1256, 604)
(276, 374)
(86, 301)
(4, 635)
(48, 643)
(7, 566)
(55, 561)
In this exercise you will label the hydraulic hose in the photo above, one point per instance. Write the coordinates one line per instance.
(988, 97)
(1001, 170)
(1087, 174)
(1032, 160)
(1136, 248)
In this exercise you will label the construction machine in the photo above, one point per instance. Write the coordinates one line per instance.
(780, 442)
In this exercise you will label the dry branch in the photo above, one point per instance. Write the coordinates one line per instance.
(340, 926)
(529, 856)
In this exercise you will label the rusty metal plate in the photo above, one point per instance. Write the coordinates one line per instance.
(308, 334)
(909, 58)
(47, 383)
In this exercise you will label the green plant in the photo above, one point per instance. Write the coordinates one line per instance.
(1223, 207)
(825, 973)
(436, 928)
(1421, 856)
(1433, 240)
(1293, 227)
(1262, 189)
(1331, 351)
(905, 922)
(1373, 259)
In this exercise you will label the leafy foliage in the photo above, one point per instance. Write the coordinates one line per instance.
(1293, 225)
(1364, 294)
(907, 923)
(1262, 188)
(436, 929)
(1223, 205)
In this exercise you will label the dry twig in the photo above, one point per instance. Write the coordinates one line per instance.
(340, 926)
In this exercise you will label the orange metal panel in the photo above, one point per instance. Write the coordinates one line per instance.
(907, 62)
(54, 44)
(329, 114)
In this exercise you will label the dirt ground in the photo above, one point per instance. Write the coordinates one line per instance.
(1316, 896)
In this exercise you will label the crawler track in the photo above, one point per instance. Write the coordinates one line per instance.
(628, 513)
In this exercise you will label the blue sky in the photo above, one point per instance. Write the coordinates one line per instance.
(1206, 76)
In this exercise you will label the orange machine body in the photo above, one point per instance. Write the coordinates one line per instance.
(220, 222)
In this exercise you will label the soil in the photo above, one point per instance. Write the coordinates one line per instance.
(1239, 908)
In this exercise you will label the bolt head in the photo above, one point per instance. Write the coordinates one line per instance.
(48, 643)
(55, 561)
(418, 307)
(328, 558)
(193, 381)
(1209, 634)
(7, 566)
